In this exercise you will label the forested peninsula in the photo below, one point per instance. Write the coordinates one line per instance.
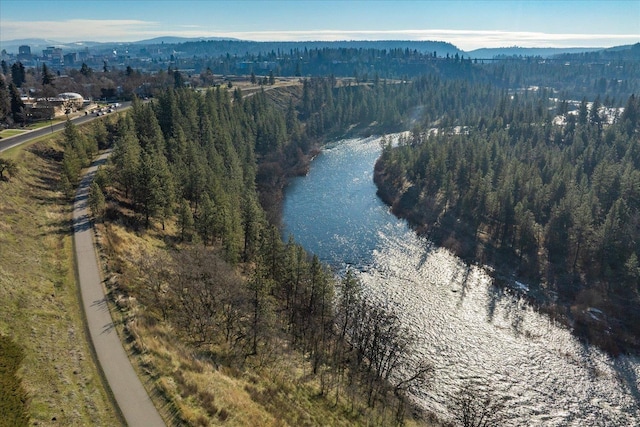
(545, 193)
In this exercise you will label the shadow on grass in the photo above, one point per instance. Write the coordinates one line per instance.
(628, 377)
(46, 153)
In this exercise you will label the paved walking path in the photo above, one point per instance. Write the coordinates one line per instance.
(131, 396)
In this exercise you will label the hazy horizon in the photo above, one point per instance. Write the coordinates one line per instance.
(468, 25)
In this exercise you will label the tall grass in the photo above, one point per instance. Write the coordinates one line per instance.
(39, 299)
(208, 385)
(13, 397)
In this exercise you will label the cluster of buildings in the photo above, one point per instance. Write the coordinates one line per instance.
(52, 56)
(73, 56)
(47, 108)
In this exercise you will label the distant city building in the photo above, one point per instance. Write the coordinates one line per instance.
(24, 53)
(51, 52)
(54, 55)
(47, 108)
(83, 55)
(70, 59)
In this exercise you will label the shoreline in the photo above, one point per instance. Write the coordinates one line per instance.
(589, 324)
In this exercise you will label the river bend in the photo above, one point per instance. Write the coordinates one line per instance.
(468, 329)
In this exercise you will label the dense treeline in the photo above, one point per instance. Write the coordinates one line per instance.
(573, 77)
(363, 64)
(560, 199)
(221, 153)
(608, 73)
(328, 107)
(384, 106)
(191, 161)
(79, 151)
(269, 51)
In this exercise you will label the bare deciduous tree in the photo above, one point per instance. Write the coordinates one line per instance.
(475, 405)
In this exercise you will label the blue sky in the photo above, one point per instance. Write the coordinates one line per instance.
(467, 24)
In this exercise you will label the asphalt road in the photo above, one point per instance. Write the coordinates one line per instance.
(130, 394)
(14, 141)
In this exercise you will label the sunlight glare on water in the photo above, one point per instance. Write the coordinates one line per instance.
(468, 329)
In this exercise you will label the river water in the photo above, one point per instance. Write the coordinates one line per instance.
(468, 329)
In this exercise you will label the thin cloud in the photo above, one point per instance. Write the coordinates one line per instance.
(78, 29)
(132, 30)
(465, 39)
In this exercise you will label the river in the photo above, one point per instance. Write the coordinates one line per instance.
(469, 330)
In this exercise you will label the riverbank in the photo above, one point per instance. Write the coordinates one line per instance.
(593, 315)
(466, 327)
(276, 171)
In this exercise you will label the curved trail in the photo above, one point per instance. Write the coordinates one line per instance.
(130, 395)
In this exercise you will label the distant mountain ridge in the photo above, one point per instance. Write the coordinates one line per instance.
(213, 46)
(177, 40)
(544, 52)
(219, 45)
(11, 46)
(242, 47)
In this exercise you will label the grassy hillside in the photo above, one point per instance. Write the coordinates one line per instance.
(39, 307)
(210, 385)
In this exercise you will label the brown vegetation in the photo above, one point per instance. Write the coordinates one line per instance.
(39, 307)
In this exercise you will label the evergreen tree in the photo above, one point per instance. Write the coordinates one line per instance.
(178, 80)
(151, 190)
(5, 100)
(18, 74)
(85, 70)
(17, 106)
(47, 76)
(100, 134)
(631, 115)
(185, 220)
(126, 156)
(166, 183)
(97, 202)
(252, 224)
(262, 315)
(206, 219)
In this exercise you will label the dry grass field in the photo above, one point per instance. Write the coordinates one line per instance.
(39, 307)
(202, 386)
